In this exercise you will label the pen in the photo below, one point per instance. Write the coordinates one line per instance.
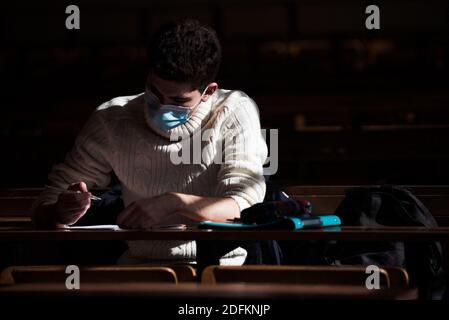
(285, 195)
(64, 190)
(170, 227)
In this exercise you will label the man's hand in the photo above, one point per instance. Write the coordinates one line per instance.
(145, 213)
(71, 206)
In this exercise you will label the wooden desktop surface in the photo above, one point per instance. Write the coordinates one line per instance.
(11, 233)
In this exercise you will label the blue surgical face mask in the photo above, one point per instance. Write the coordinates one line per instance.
(167, 116)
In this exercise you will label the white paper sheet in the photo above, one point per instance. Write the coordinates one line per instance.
(96, 227)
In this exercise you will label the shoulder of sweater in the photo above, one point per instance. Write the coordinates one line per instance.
(122, 101)
(120, 108)
(233, 99)
(234, 104)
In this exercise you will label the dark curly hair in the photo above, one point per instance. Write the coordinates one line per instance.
(185, 51)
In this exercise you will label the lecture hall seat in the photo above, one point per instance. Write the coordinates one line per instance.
(92, 274)
(307, 275)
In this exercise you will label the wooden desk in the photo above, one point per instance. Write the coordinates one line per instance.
(191, 291)
(412, 234)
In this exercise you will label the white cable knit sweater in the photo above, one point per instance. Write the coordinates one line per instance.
(119, 137)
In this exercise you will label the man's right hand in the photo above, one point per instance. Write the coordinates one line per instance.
(72, 204)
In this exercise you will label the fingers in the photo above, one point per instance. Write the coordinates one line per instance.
(130, 217)
(70, 199)
(72, 206)
(122, 217)
(71, 217)
(134, 215)
(144, 213)
(74, 199)
(79, 186)
(148, 223)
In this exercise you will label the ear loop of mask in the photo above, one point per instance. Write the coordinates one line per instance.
(199, 102)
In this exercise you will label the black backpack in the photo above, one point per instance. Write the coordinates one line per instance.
(390, 206)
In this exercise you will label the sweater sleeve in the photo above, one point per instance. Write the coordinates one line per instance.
(244, 150)
(87, 161)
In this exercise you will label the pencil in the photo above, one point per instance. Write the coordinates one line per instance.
(65, 190)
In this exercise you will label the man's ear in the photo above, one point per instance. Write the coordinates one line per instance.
(211, 88)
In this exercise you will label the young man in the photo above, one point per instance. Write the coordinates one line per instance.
(138, 137)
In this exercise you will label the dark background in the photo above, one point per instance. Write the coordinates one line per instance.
(352, 106)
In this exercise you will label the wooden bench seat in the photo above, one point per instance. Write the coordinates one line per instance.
(94, 274)
(389, 277)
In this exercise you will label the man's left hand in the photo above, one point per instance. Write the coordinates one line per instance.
(145, 213)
